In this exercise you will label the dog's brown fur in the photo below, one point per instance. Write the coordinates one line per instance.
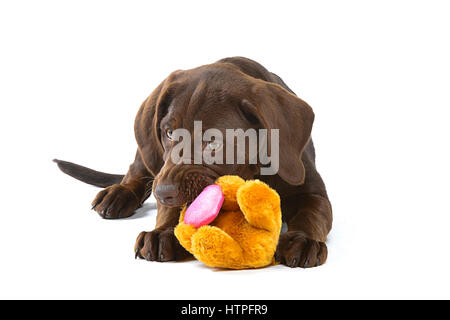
(231, 93)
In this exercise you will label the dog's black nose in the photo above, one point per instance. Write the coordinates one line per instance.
(167, 194)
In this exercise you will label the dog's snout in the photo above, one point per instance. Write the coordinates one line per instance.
(167, 194)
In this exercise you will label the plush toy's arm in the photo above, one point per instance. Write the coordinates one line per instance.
(230, 186)
(184, 232)
(260, 205)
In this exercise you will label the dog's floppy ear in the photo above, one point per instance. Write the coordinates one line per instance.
(276, 108)
(146, 126)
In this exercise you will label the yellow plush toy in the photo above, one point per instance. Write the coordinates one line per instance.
(245, 232)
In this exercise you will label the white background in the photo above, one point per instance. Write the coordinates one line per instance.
(377, 74)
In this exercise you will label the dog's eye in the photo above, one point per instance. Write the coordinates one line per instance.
(169, 134)
(213, 146)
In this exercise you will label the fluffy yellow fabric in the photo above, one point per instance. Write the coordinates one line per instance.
(230, 186)
(244, 234)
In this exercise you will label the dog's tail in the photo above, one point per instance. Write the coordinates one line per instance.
(95, 178)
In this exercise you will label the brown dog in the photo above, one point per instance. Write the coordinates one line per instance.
(231, 93)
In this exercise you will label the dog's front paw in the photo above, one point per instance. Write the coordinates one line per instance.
(115, 202)
(159, 245)
(296, 250)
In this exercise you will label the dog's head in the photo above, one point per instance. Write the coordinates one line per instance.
(217, 96)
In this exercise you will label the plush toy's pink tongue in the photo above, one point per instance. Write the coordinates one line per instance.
(205, 208)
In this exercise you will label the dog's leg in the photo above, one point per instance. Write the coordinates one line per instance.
(122, 200)
(309, 219)
(161, 244)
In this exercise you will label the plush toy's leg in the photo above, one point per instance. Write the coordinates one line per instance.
(216, 248)
(260, 205)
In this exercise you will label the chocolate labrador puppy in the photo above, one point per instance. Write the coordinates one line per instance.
(231, 93)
